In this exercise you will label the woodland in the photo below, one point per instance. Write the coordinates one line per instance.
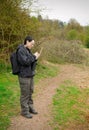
(62, 42)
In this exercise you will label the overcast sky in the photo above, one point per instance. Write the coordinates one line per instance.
(64, 10)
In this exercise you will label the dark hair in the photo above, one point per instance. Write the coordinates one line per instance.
(28, 38)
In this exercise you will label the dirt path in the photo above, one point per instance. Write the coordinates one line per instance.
(43, 98)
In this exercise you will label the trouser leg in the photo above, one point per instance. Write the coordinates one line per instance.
(30, 103)
(31, 107)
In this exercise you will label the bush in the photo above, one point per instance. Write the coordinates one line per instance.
(87, 42)
(72, 34)
(64, 51)
(4, 67)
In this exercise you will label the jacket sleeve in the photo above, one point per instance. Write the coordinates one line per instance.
(24, 58)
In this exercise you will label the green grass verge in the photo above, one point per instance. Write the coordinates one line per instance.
(70, 105)
(9, 92)
(45, 71)
(9, 98)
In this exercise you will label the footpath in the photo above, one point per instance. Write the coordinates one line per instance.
(43, 98)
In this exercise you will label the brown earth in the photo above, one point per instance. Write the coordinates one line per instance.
(43, 99)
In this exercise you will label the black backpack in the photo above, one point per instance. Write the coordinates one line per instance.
(14, 63)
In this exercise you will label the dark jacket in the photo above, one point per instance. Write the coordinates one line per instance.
(27, 62)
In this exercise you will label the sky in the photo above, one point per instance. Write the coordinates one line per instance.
(64, 10)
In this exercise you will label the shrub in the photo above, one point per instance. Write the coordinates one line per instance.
(64, 51)
(72, 34)
(87, 42)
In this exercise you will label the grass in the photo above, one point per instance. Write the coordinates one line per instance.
(9, 92)
(70, 105)
(45, 71)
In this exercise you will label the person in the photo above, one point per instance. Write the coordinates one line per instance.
(27, 62)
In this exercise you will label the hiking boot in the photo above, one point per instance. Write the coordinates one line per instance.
(33, 111)
(27, 115)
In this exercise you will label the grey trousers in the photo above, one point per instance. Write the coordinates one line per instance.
(27, 88)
